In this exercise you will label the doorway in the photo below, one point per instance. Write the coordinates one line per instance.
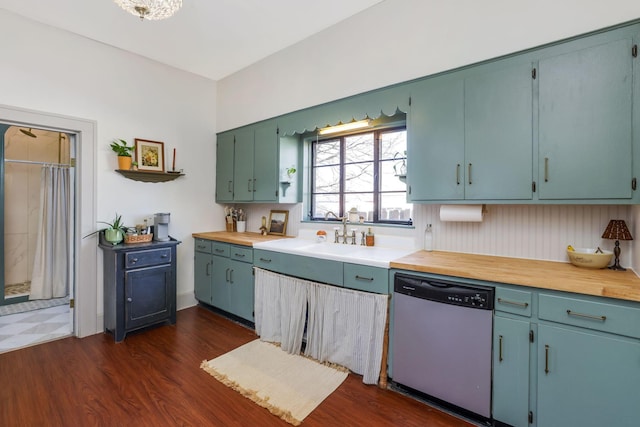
(38, 218)
(86, 320)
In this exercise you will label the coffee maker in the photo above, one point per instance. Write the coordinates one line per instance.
(161, 227)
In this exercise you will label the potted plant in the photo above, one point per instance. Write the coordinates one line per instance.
(291, 171)
(114, 232)
(120, 147)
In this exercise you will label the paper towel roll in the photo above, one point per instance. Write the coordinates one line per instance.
(461, 213)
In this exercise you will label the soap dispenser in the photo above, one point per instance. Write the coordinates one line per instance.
(428, 238)
(369, 238)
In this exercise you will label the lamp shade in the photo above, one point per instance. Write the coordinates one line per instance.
(617, 230)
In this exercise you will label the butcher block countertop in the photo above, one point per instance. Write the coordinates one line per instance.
(244, 239)
(558, 276)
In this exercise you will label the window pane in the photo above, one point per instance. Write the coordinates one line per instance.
(388, 179)
(327, 153)
(327, 179)
(323, 203)
(394, 207)
(363, 204)
(393, 144)
(358, 177)
(359, 148)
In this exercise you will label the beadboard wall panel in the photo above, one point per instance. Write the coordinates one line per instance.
(527, 231)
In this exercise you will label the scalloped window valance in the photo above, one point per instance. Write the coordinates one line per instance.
(372, 105)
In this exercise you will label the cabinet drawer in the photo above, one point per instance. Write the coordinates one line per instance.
(203, 245)
(315, 269)
(220, 249)
(147, 258)
(600, 316)
(240, 253)
(366, 278)
(513, 301)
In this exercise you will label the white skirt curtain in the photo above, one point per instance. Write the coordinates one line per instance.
(344, 326)
(50, 277)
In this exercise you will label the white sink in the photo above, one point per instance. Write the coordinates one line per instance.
(366, 255)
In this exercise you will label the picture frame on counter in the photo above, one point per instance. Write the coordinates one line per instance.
(278, 222)
(149, 155)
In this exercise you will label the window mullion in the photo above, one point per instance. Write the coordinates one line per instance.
(343, 159)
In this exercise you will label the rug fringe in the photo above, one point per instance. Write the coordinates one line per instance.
(251, 395)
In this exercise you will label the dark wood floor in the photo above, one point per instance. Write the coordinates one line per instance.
(153, 378)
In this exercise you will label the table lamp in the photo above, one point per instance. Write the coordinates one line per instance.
(617, 229)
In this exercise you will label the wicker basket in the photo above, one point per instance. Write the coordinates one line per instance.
(140, 238)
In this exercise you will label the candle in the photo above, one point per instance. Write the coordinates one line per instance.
(174, 160)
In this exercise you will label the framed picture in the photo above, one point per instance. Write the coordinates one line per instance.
(150, 155)
(278, 222)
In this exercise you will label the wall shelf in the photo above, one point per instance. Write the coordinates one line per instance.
(145, 176)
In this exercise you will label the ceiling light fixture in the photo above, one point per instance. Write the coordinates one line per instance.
(345, 127)
(150, 9)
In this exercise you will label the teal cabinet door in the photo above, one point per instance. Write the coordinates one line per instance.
(202, 277)
(435, 145)
(241, 290)
(498, 126)
(220, 271)
(511, 363)
(586, 380)
(265, 168)
(585, 126)
(243, 165)
(224, 167)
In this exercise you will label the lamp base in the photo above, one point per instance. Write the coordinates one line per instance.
(616, 252)
(617, 267)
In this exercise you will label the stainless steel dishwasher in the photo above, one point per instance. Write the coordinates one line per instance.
(442, 335)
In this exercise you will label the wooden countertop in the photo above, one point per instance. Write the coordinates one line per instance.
(559, 276)
(245, 239)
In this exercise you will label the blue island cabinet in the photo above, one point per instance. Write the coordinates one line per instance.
(139, 286)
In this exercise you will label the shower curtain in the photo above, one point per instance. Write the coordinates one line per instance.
(50, 276)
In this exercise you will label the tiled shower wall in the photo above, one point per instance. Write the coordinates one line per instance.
(520, 231)
(22, 197)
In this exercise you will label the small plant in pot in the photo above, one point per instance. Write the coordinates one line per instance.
(120, 147)
(114, 232)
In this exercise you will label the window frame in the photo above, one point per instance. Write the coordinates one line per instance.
(377, 165)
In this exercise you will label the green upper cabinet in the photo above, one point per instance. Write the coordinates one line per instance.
(470, 138)
(585, 120)
(251, 161)
(498, 133)
(435, 145)
(224, 167)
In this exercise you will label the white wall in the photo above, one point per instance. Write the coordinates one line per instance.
(400, 40)
(129, 97)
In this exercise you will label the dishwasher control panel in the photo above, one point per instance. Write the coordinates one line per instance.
(445, 291)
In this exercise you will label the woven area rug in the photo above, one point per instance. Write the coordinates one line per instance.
(289, 386)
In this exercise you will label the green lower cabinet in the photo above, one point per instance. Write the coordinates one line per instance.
(202, 277)
(511, 367)
(220, 268)
(586, 379)
(241, 290)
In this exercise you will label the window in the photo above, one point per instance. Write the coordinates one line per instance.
(364, 171)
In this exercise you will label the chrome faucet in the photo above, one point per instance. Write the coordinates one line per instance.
(344, 227)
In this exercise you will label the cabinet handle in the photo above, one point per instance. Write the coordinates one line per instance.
(519, 304)
(546, 169)
(231, 276)
(134, 260)
(254, 185)
(226, 275)
(129, 299)
(265, 260)
(470, 174)
(586, 316)
(219, 250)
(500, 348)
(229, 187)
(249, 186)
(546, 359)
(207, 269)
(458, 174)
(201, 246)
(368, 279)
(164, 256)
(239, 255)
